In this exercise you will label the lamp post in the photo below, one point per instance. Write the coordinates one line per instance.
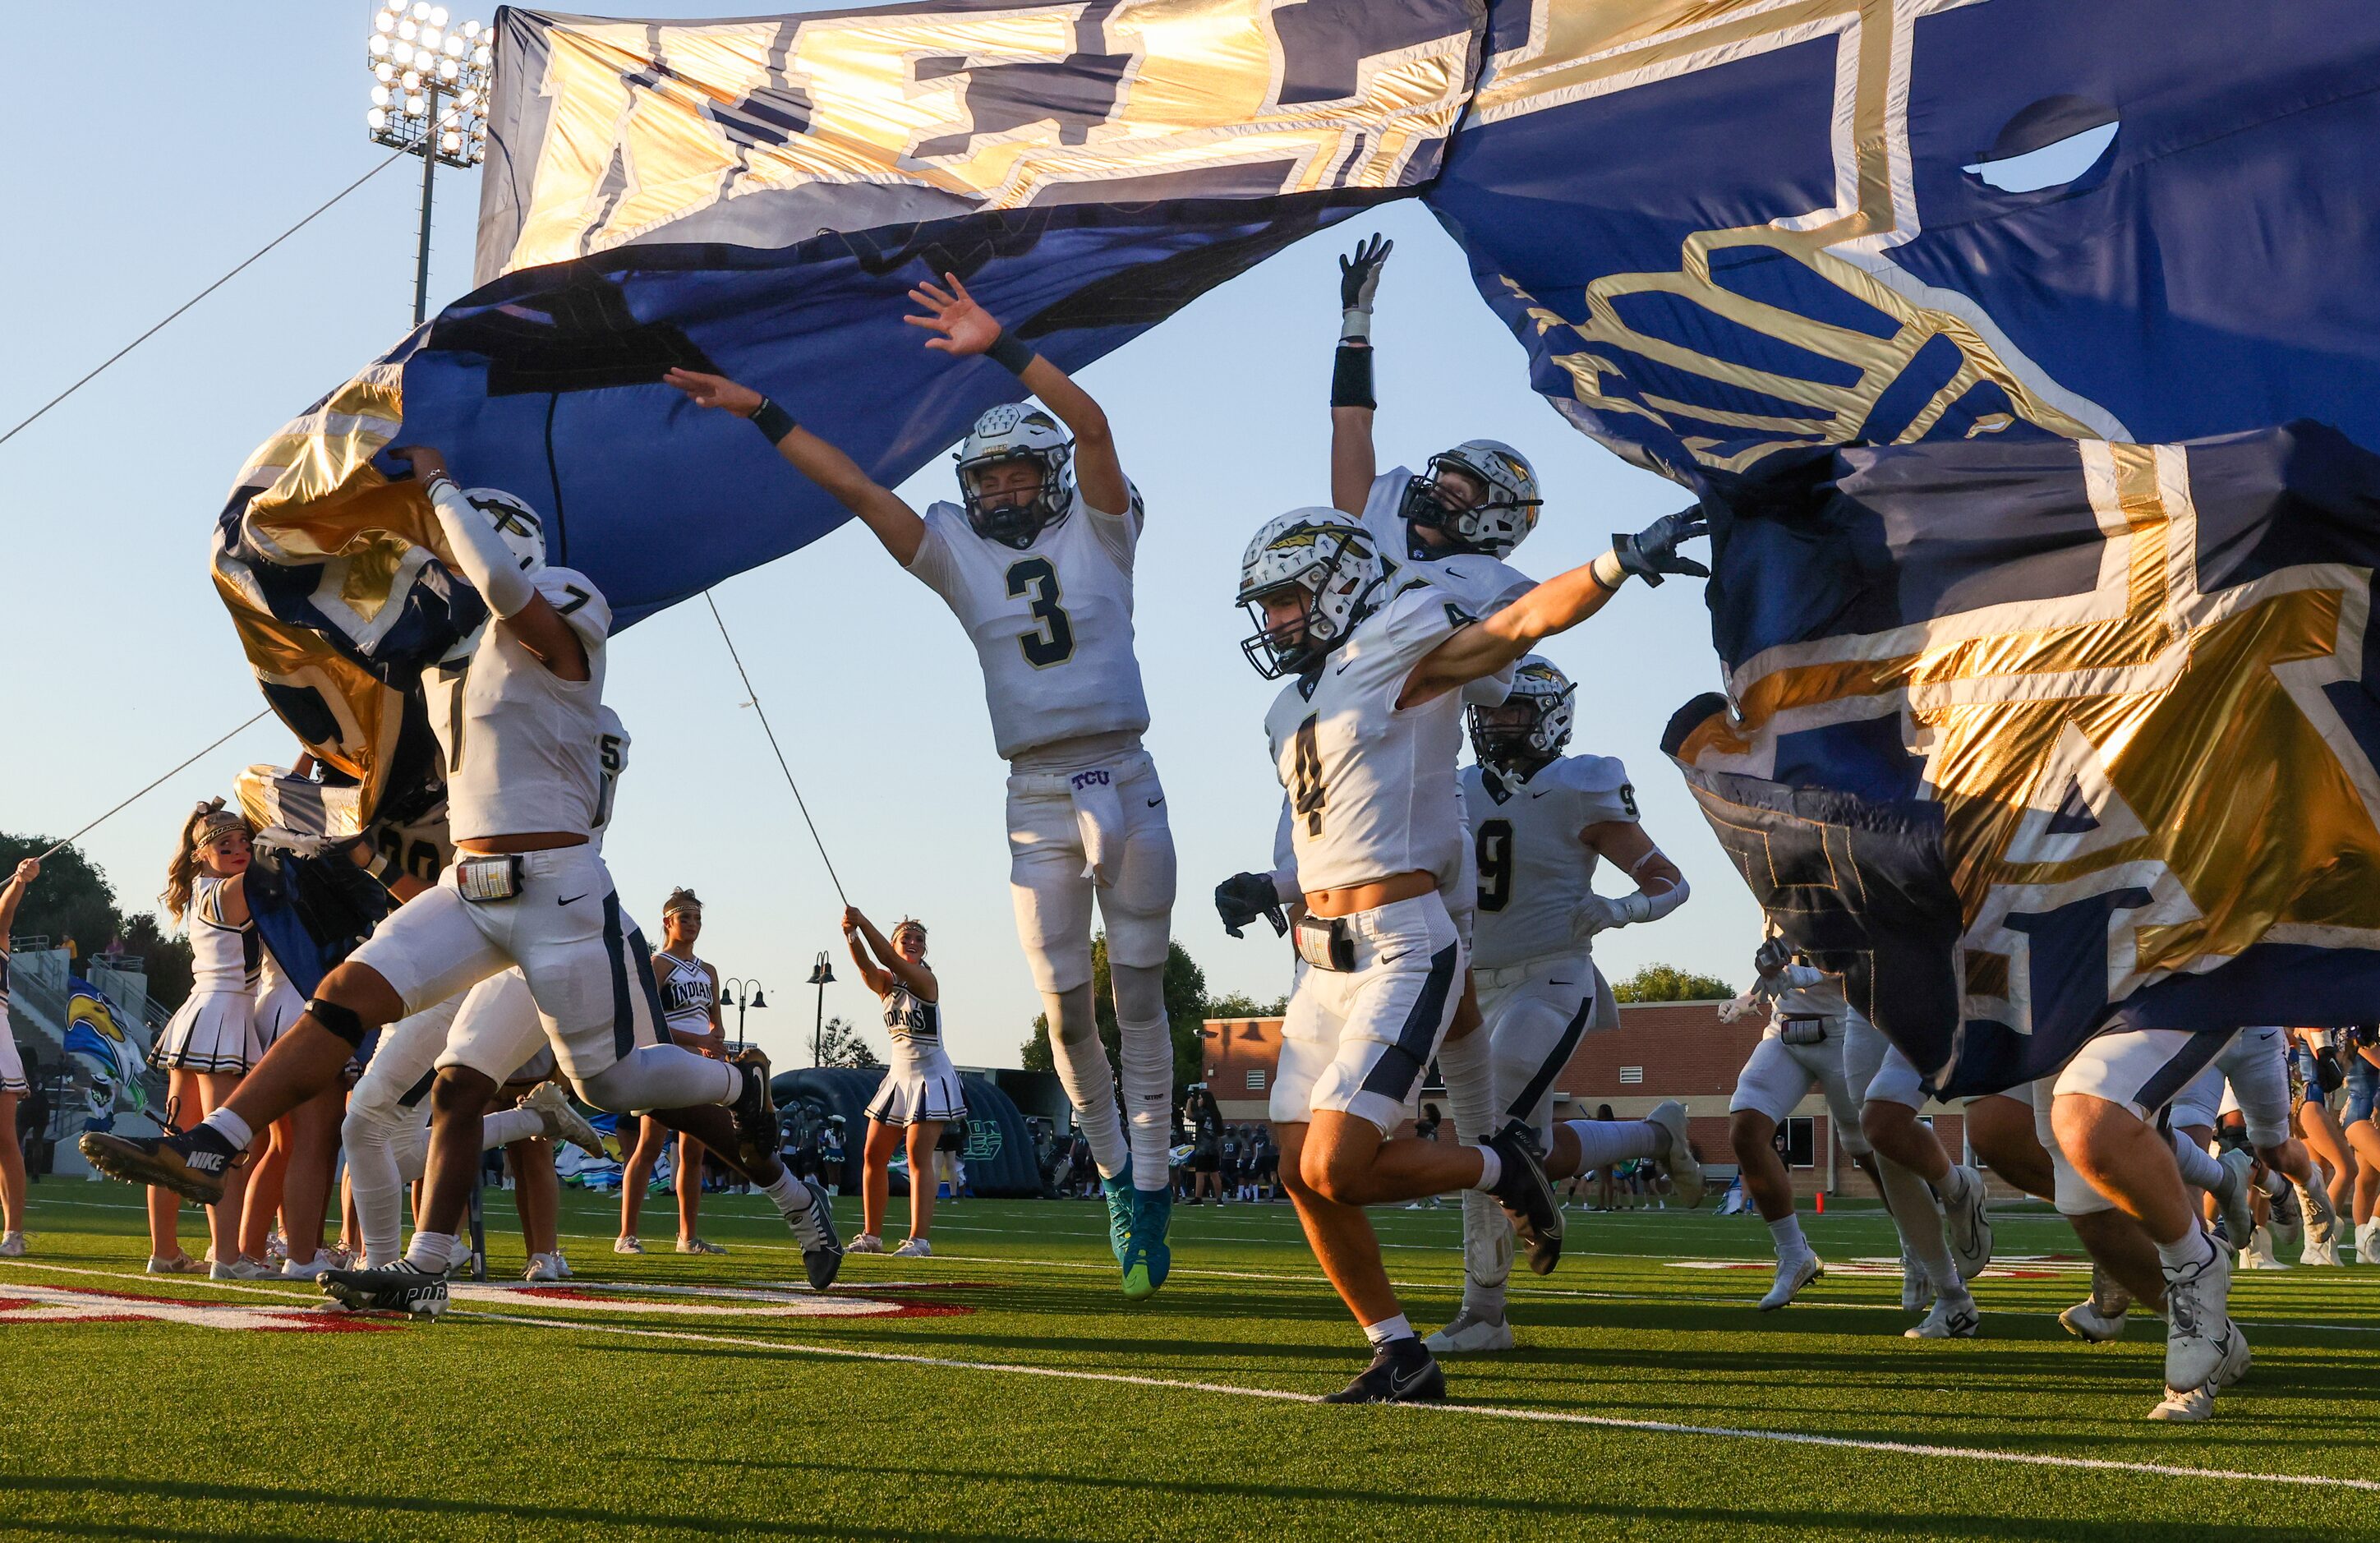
(821, 977)
(417, 63)
(753, 997)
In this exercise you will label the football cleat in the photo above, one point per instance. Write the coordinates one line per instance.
(757, 1131)
(627, 1245)
(2199, 1332)
(399, 1289)
(1527, 1196)
(821, 1246)
(2231, 1193)
(1794, 1272)
(1402, 1372)
(1966, 1225)
(865, 1242)
(12, 1245)
(699, 1246)
(562, 1120)
(1677, 1156)
(1949, 1320)
(1916, 1287)
(191, 1165)
(543, 1266)
(1470, 1334)
(914, 1248)
(1148, 1255)
(2321, 1224)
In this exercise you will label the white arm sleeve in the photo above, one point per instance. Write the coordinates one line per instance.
(480, 551)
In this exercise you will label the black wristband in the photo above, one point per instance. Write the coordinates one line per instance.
(1008, 353)
(1350, 378)
(774, 421)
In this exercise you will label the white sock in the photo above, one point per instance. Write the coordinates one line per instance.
(1491, 1170)
(1388, 1329)
(1602, 1143)
(508, 1125)
(231, 1127)
(664, 1076)
(2197, 1167)
(1089, 1081)
(1468, 1064)
(1146, 1051)
(791, 1196)
(1919, 1223)
(378, 1185)
(430, 1251)
(2193, 1247)
(1787, 1231)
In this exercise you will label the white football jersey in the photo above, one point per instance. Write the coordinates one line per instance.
(1804, 991)
(610, 760)
(1051, 623)
(1371, 788)
(523, 746)
(1480, 584)
(1534, 871)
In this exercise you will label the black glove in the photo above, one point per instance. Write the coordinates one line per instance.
(1245, 896)
(1653, 551)
(2328, 1072)
(1359, 276)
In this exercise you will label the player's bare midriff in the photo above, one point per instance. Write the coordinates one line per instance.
(1370, 896)
(533, 841)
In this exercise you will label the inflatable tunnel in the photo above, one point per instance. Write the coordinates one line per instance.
(1000, 1160)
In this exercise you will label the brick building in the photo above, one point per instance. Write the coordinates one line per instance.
(1670, 1050)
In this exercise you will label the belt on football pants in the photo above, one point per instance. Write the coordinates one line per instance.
(1513, 975)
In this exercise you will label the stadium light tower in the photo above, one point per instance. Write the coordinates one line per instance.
(428, 97)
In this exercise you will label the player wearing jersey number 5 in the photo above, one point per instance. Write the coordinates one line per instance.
(1364, 740)
(1036, 563)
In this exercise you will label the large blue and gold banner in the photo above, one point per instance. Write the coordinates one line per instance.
(2133, 691)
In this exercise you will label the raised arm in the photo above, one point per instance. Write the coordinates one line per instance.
(494, 569)
(909, 973)
(875, 979)
(895, 524)
(1354, 461)
(1557, 605)
(967, 328)
(12, 895)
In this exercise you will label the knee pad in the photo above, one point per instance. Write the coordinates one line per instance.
(341, 1021)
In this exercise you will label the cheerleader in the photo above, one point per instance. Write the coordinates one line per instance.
(689, 1000)
(210, 1042)
(13, 1084)
(920, 1092)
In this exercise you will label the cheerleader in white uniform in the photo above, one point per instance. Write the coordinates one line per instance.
(921, 1091)
(689, 1005)
(13, 1084)
(210, 1042)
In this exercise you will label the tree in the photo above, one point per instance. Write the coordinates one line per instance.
(1669, 983)
(73, 899)
(1239, 1004)
(840, 1044)
(1185, 1011)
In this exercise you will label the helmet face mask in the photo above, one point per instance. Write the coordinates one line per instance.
(1324, 560)
(1016, 435)
(1494, 519)
(1529, 728)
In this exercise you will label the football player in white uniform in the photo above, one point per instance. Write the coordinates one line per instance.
(1364, 741)
(1801, 1052)
(1540, 823)
(1937, 1204)
(520, 728)
(1036, 563)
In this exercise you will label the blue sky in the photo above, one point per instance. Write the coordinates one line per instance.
(158, 168)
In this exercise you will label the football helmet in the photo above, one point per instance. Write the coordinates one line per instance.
(1017, 431)
(1507, 509)
(1517, 748)
(1331, 559)
(520, 527)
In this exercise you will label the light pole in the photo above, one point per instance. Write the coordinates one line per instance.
(753, 997)
(418, 63)
(821, 977)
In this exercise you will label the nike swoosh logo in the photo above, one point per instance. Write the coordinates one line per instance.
(576, 897)
(1154, 802)
(1401, 1386)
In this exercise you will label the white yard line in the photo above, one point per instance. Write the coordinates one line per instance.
(1661, 1427)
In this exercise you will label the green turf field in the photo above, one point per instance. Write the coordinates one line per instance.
(1005, 1389)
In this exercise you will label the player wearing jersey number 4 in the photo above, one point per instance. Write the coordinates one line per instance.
(1036, 563)
(518, 714)
(1363, 739)
(1540, 823)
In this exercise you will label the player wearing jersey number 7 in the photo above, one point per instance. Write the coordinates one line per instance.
(1036, 563)
(1364, 740)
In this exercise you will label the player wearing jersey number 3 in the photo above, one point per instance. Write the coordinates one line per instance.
(1364, 740)
(1037, 564)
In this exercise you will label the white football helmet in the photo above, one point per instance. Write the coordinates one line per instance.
(1330, 558)
(1017, 431)
(520, 527)
(1506, 742)
(1507, 509)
